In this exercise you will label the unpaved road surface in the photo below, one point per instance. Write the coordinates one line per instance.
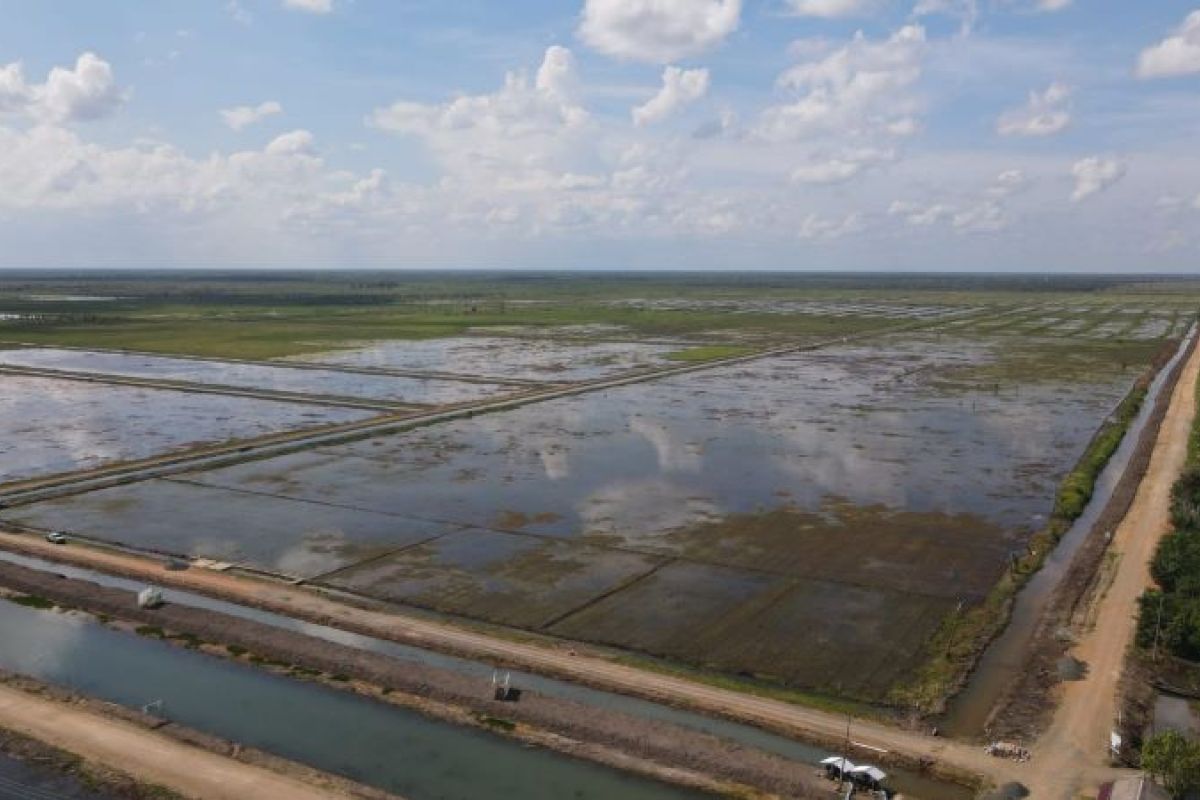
(147, 756)
(1072, 755)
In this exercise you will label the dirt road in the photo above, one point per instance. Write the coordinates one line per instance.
(147, 756)
(1073, 753)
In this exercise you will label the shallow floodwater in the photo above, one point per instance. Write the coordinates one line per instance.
(57, 425)
(329, 383)
(380, 745)
(509, 357)
(810, 518)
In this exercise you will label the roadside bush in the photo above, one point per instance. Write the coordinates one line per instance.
(1185, 500)
(1176, 564)
(1174, 761)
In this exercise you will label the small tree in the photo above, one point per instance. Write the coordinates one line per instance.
(1174, 760)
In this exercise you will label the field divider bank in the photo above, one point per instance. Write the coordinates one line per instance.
(212, 388)
(314, 366)
(158, 754)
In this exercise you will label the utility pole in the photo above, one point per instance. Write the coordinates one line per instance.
(845, 750)
(1158, 623)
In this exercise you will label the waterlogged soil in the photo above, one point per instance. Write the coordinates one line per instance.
(507, 357)
(808, 518)
(52, 425)
(329, 383)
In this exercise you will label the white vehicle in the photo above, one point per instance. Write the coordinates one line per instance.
(56, 537)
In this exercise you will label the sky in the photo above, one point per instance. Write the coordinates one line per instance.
(997, 135)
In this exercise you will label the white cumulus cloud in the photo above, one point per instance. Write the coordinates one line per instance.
(658, 31)
(86, 91)
(680, 89)
(1094, 175)
(1045, 114)
(242, 116)
(309, 6)
(1178, 54)
(856, 90)
(832, 9)
(840, 168)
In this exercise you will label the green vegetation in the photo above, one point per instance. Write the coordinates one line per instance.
(33, 601)
(187, 640)
(151, 631)
(235, 650)
(1076, 489)
(1169, 616)
(498, 723)
(708, 353)
(744, 685)
(1174, 761)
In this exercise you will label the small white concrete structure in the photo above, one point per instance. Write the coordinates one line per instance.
(150, 597)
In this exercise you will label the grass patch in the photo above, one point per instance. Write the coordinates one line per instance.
(498, 723)
(33, 601)
(187, 639)
(695, 355)
(151, 631)
(743, 685)
(235, 650)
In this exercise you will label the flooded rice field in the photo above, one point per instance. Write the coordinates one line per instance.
(831, 308)
(330, 383)
(807, 518)
(58, 425)
(560, 359)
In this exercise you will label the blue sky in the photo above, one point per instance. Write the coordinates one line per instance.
(734, 134)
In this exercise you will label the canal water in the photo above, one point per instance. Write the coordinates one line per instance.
(338, 732)
(1004, 659)
(910, 783)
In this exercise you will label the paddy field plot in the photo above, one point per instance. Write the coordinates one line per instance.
(528, 358)
(60, 425)
(291, 380)
(808, 518)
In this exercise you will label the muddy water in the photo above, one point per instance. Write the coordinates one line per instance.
(370, 742)
(528, 358)
(910, 783)
(53, 426)
(252, 376)
(1004, 659)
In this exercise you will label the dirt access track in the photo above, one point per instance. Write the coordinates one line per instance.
(147, 756)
